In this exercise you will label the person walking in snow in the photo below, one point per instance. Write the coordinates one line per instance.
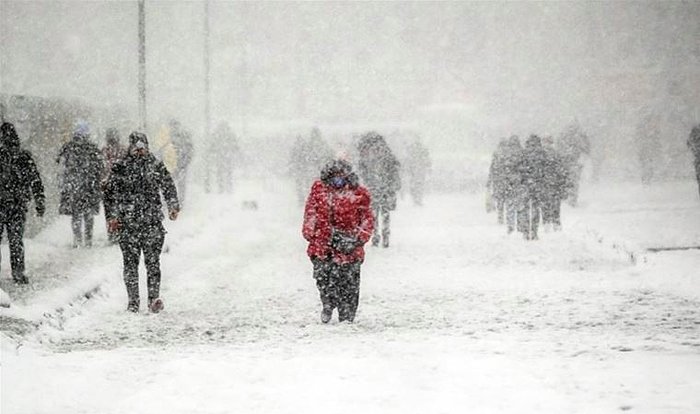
(222, 155)
(532, 174)
(80, 184)
(134, 189)
(417, 168)
(112, 152)
(512, 187)
(495, 184)
(694, 146)
(19, 183)
(338, 221)
(181, 140)
(556, 185)
(572, 145)
(379, 170)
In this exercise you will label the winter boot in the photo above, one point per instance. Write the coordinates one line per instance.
(20, 279)
(132, 307)
(156, 305)
(326, 314)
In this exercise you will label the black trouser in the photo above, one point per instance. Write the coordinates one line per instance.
(149, 240)
(82, 228)
(381, 210)
(697, 171)
(338, 286)
(551, 211)
(13, 221)
(529, 218)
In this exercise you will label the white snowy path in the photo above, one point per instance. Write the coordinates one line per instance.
(455, 317)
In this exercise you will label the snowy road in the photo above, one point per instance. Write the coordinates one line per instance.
(456, 316)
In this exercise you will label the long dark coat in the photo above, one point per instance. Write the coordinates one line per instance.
(134, 190)
(80, 185)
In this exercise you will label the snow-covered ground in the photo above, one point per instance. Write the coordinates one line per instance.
(456, 316)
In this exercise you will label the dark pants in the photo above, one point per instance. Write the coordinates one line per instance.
(383, 212)
(529, 218)
(338, 286)
(13, 222)
(82, 224)
(148, 240)
(551, 211)
(697, 171)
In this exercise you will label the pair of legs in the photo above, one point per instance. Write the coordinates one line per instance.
(529, 218)
(381, 212)
(551, 212)
(339, 287)
(13, 221)
(133, 243)
(82, 223)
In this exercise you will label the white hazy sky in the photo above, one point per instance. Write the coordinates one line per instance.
(503, 66)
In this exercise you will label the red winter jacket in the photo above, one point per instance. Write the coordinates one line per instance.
(346, 209)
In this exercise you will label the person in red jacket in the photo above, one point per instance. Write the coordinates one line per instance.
(338, 221)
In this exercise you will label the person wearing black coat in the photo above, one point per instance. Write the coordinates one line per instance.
(532, 174)
(134, 190)
(19, 182)
(694, 146)
(379, 170)
(80, 186)
(556, 185)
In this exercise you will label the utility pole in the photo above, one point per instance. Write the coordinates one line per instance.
(142, 65)
(207, 74)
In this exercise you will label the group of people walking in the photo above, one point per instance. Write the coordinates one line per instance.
(130, 181)
(528, 183)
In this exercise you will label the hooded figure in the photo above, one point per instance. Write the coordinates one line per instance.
(694, 146)
(379, 170)
(80, 184)
(134, 190)
(19, 182)
(338, 222)
(532, 174)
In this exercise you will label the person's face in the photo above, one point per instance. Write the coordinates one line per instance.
(338, 181)
(139, 150)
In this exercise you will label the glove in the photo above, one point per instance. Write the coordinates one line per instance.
(113, 225)
(172, 214)
(343, 242)
(40, 210)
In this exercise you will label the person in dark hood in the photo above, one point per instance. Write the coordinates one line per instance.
(379, 170)
(694, 146)
(532, 174)
(511, 181)
(80, 184)
(556, 184)
(19, 183)
(112, 152)
(338, 222)
(181, 140)
(134, 190)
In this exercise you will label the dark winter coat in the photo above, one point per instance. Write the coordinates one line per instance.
(83, 169)
(19, 177)
(694, 142)
(509, 174)
(379, 170)
(346, 210)
(533, 169)
(496, 182)
(556, 180)
(134, 190)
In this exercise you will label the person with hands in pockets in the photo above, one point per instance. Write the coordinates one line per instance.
(338, 221)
